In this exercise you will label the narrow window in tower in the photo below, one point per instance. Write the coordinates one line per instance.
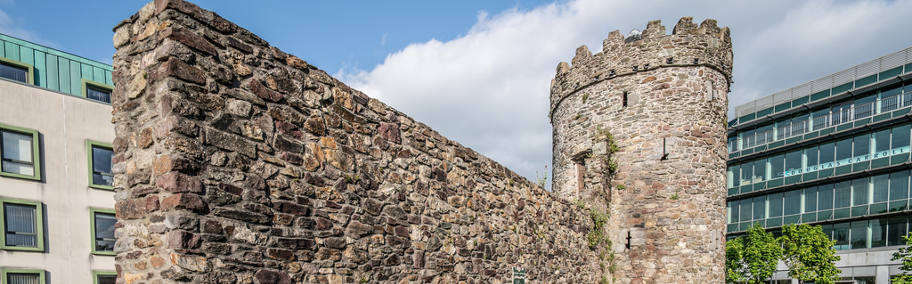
(580, 175)
(664, 150)
(624, 99)
(628, 240)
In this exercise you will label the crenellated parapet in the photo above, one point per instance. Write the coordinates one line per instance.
(689, 44)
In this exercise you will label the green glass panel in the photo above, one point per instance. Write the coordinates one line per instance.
(760, 148)
(882, 162)
(733, 155)
(732, 191)
(824, 215)
(900, 112)
(898, 205)
(859, 211)
(827, 131)
(765, 112)
(800, 101)
(75, 77)
(843, 170)
(808, 218)
(909, 68)
(40, 72)
(744, 226)
(842, 88)
(747, 151)
(824, 173)
(865, 81)
(820, 95)
(774, 183)
(883, 116)
(792, 179)
(811, 135)
(809, 176)
(747, 118)
(844, 127)
(732, 228)
(889, 73)
(878, 208)
(776, 144)
(12, 51)
(793, 140)
(759, 186)
(861, 166)
(841, 213)
(783, 106)
(746, 188)
(862, 122)
(791, 219)
(774, 222)
(899, 159)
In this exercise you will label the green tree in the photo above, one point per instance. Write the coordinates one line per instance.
(752, 258)
(735, 267)
(905, 255)
(809, 254)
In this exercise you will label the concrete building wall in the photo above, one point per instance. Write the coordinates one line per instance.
(64, 123)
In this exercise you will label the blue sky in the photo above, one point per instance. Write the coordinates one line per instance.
(479, 71)
(329, 34)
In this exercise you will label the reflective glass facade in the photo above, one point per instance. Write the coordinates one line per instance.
(840, 161)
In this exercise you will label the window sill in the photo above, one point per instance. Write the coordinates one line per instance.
(28, 249)
(19, 176)
(102, 187)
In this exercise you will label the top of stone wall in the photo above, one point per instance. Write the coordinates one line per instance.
(688, 45)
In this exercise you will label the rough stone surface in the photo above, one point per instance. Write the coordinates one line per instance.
(238, 163)
(667, 199)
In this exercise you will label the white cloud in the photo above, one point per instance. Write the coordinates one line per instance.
(489, 88)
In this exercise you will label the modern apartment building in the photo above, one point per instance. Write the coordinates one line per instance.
(832, 152)
(56, 197)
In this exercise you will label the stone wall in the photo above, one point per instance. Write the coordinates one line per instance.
(663, 99)
(238, 163)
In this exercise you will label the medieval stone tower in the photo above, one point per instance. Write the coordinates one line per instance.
(639, 131)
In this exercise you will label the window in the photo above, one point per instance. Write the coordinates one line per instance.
(792, 202)
(764, 135)
(878, 233)
(900, 139)
(732, 209)
(841, 236)
(826, 156)
(100, 175)
(19, 150)
(843, 152)
(760, 208)
(896, 229)
(759, 171)
(825, 197)
(747, 172)
(624, 102)
(96, 91)
(841, 113)
(860, 191)
(776, 166)
(810, 199)
(811, 155)
(799, 125)
(890, 99)
(783, 129)
(864, 107)
(104, 277)
(732, 144)
(749, 139)
(881, 144)
(15, 70)
(881, 187)
(103, 231)
(23, 276)
(843, 194)
(745, 208)
(734, 176)
(775, 205)
(793, 163)
(821, 119)
(859, 234)
(22, 225)
(862, 148)
(899, 185)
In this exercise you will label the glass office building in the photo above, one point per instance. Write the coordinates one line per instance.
(832, 152)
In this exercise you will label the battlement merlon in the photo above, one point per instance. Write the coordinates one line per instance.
(688, 45)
